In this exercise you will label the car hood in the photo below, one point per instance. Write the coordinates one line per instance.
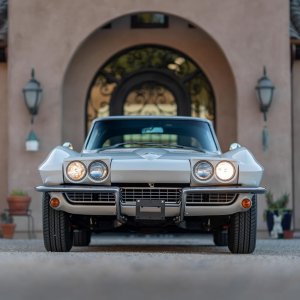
(150, 154)
(144, 165)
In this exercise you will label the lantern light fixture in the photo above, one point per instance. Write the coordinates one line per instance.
(264, 92)
(32, 95)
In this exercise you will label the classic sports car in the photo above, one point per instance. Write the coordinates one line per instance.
(160, 172)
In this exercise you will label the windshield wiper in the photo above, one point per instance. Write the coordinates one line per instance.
(152, 144)
(120, 145)
(184, 147)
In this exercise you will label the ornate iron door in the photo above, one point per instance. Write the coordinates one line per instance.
(150, 92)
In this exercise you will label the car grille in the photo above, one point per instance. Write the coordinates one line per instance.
(96, 198)
(209, 199)
(169, 195)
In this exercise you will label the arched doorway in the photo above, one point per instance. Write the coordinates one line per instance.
(83, 87)
(150, 80)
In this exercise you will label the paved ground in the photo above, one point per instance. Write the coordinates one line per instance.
(149, 267)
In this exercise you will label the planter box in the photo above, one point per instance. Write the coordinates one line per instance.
(18, 205)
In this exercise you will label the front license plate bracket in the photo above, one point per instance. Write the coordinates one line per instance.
(143, 204)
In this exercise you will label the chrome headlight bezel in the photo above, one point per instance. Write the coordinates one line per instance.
(230, 165)
(105, 172)
(203, 178)
(83, 169)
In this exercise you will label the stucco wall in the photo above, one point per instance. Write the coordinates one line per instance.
(296, 121)
(46, 35)
(3, 134)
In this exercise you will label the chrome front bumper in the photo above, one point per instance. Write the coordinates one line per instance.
(177, 210)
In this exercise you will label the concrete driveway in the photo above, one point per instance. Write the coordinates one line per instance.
(149, 267)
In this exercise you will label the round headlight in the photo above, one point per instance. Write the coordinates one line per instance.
(76, 170)
(98, 170)
(203, 170)
(225, 170)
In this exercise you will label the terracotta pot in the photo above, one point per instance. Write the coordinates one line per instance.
(18, 205)
(288, 234)
(8, 230)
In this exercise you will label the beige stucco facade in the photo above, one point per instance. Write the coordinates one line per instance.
(3, 133)
(296, 138)
(64, 42)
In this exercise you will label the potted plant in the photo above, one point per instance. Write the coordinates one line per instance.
(7, 225)
(18, 202)
(278, 208)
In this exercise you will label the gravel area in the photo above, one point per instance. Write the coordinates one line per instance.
(149, 267)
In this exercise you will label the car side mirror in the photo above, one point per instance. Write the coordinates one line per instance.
(234, 146)
(68, 145)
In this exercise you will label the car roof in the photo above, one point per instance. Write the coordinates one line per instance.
(151, 118)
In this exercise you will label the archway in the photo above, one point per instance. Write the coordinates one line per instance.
(190, 41)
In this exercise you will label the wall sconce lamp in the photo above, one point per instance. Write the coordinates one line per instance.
(264, 92)
(32, 95)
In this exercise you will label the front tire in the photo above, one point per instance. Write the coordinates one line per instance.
(242, 230)
(57, 230)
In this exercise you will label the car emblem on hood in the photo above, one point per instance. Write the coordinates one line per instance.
(150, 155)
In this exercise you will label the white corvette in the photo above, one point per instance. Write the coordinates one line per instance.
(160, 172)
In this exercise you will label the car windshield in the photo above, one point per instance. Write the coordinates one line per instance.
(164, 133)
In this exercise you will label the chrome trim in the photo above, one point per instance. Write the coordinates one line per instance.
(217, 210)
(210, 199)
(83, 209)
(89, 209)
(234, 146)
(77, 188)
(180, 210)
(171, 195)
(212, 210)
(91, 198)
(225, 189)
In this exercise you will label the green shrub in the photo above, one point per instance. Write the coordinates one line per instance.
(18, 192)
(279, 205)
(6, 218)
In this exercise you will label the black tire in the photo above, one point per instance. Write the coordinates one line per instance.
(81, 238)
(57, 230)
(242, 230)
(220, 238)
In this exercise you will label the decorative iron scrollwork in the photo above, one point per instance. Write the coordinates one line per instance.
(150, 98)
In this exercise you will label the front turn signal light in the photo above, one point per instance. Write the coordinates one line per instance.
(246, 203)
(54, 202)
